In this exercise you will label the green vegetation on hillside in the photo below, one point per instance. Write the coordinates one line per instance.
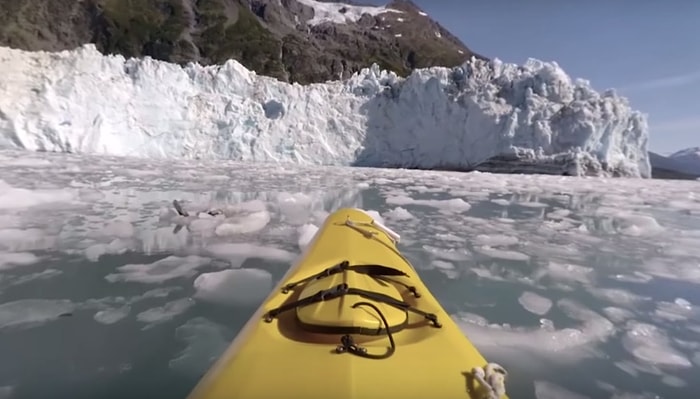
(427, 56)
(267, 36)
(245, 39)
(136, 27)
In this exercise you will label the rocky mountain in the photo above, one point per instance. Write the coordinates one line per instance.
(301, 41)
(684, 164)
(690, 156)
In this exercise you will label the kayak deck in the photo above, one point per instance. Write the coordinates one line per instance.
(326, 331)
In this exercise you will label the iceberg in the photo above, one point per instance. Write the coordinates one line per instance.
(482, 115)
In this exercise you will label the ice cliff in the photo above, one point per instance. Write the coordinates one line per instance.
(502, 117)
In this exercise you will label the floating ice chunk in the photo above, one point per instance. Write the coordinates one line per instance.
(549, 390)
(683, 303)
(673, 268)
(158, 271)
(163, 239)
(234, 286)
(696, 358)
(103, 303)
(569, 272)
(547, 324)
(251, 206)
(17, 198)
(449, 237)
(93, 252)
(694, 328)
(487, 274)
(319, 216)
(161, 292)
(296, 208)
(244, 224)
(605, 386)
(376, 216)
(684, 244)
(569, 344)
(238, 251)
(111, 315)
(399, 213)
(306, 234)
(119, 229)
(535, 303)
(205, 341)
(42, 275)
(420, 189)
(9, 260)
(27, 162)
(558, 214)
(686, 345)
(678, 310)
(204, 226)
(26, 313)
(495, 240)
(618, 315)
(447, 268)
(454, 255)
(472, 318)
(633, 395)
(552, 252)
(673, 381)
(628, 367)
(10, 221)
(143, 173)
(650, 345)
(617, 296)
(635, 277)
(166, 312)
(638, 225)
(501, 202)
(25, 240)
(116, 247)
(454, 204)
(502, 253)
(441, 264)
(532, 204)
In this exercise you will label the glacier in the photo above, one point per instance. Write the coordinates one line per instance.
(482, 115)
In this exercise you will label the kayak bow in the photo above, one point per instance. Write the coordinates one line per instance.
(351, 319)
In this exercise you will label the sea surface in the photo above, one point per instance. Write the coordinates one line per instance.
(579, 287)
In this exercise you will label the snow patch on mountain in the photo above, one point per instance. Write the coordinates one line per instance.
(455, 118)
(340, 13)
(686, 162)
(690, 155)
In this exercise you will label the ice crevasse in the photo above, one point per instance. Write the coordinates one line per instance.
(487, 115)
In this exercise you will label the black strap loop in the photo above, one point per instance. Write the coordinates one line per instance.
(370, 270)
(320, 296)
(347, 344)
(413, 290)
(343, 289)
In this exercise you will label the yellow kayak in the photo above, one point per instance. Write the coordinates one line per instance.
(351, 319)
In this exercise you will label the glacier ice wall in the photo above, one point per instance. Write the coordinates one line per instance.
(491, 114)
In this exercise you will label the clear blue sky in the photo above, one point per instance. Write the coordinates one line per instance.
(649, 50)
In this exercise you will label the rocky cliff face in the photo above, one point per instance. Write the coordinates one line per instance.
(301, 41)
